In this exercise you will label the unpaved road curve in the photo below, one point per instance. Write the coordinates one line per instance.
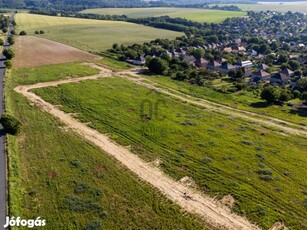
(204, 206)
(262, 120)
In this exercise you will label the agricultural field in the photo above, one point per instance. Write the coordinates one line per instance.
(273, 6)
(246, 100)
(199, 15)
(89, 35)
(34, 51)
(263, 170)
(74, 185)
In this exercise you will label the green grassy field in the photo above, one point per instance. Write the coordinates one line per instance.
(247, 100)
(273, 6)
(263, 170)
(89, 35)
(199, 15)
(65, 180)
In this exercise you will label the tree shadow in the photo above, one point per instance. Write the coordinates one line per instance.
(299, 111)
(2, 132)
(259, 104)
(146, 73)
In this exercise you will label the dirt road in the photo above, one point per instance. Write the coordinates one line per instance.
(262, 120)
(190, 200)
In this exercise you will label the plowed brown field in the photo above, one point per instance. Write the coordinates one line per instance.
(33, 52)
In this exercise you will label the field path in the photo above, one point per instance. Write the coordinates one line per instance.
(190, 200)
(262, 120)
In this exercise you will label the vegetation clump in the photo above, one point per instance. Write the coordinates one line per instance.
(9, 54)
(10, 124)
(23, 33)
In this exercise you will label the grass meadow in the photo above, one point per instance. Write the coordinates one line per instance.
(69, 182)
(273, 6)
(247, 100)
(89, 35)
(264, 171)
(199, 15)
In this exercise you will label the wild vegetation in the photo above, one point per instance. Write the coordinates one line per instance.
(73, 184)
(243, 99)
(208, 147)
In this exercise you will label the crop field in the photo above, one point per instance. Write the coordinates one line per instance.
(264, 171)
(72, 184)
(199, 15)
(274, 6)
(245, 100)
(33, 52)
(89, 35)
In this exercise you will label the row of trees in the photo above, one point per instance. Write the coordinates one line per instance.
(10, 124)
(70, 5)
(277, 95)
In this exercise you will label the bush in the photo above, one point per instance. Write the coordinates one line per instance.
(296, 94)
(81, 188)
(271, 94)
(41, 32)
(157, 65)
(76, 204)
(10, 124)
(8, 64)
(8, 53)
(285, 96)
(36, 32)
(11, 40)
(23, 33)
(13, 32)
(304, 96)
(264, 172)
(1, 42)
(266, 177)
(94, 225)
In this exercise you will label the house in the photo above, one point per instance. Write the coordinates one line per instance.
(226, 67)
(169, 54)
(238, 49)
(227, 49)
(247, 72)
(181, 51)
(238, 40)
(189, 59)
(301, 45)
(246, 64)
(174, 53)
(279, 79)
(287, 72)
(140, 60)
(260, 75)
(221, 60)
(201, 62)
(253, 53)
(263, 67)
(214, 65)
